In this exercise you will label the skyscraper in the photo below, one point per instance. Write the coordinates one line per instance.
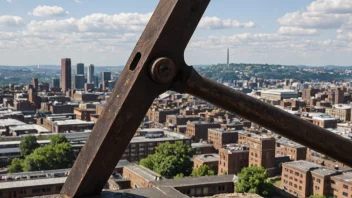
(35, 83)
(65, 74)
(56, 83)
(90, 74)
(80, 69)
(228, 57)
(105, 79)
(79, 81)
(96, 82)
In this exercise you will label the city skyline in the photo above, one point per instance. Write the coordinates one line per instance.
(290, 33)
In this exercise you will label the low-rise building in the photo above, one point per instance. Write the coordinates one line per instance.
(220, 137)
(232, 159)
(140, 176)
(295, 151)
(211, 160)
(199, 129)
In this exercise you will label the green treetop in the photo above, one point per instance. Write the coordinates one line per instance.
(203, 170)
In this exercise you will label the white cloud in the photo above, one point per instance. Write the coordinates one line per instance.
(320, 14)
(66, 25)
(11, 21)
(313, 20)
(48, 11)
(217, 23)
(9, 1)
(331, 6)
(296, 31)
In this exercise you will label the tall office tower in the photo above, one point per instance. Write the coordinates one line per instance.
(96, 81)
(339, 96)
(56, 83)
(105, 79)
(90, 74)
(65, 74)
(79, 81)
(35, 83)
(228, 57)
(80, 69)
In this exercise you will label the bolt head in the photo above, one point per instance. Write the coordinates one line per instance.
(163, 70)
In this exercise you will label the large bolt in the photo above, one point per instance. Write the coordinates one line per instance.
(163, 70)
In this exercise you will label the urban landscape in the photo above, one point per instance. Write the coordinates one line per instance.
(184, 146)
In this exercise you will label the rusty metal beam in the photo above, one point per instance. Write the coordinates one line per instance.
(166, 35)
(268, 116)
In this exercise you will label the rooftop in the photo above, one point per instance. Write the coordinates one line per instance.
(303, 165)
(32, 183)
(212, 157)
(143, 172)
(324, 171)
(347, 177)
(10, 122)
(189, 181)
(279, 91)
(73, 122)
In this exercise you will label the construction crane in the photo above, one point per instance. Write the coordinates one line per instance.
(156, 65)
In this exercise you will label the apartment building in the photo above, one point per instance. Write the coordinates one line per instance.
(232, 159)
(199, 129)
(295, 151)
(262, 151)
(220, 137)
(211, 160)
(341, 111)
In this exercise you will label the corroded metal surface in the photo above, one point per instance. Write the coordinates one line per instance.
(268, 116)
(166, 35)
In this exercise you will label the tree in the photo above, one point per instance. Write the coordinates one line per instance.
(180, 175)
(16, 166)
(57, 139)
(28, 145)
(170, 160)
(254, 179)
(57, 155)
(203, 170)
(317, 196)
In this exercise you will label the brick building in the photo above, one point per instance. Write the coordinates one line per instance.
(341, 111)
(293, 150)
(220, 137)
(199, 129)
(211, 160)
(341, 185)
(140, 176)
(262, 151)
(296, 178)
(232, 159)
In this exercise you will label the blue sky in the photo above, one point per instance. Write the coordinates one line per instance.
(104, 32)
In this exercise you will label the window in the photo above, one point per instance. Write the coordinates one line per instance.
(46, 189)
(345, 194)
(36, 190)
(58, 188)
(345, 186)
(291, 171)
(296, 173)
(318, 180)
(300, 187)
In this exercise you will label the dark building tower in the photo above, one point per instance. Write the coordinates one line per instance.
(79, 81)
(90, 74)
(105, 79)
(339, 96)
(228, 57)
(56, 83)
(35, 83)
(80, 69)
(96, 82)
(65, 74)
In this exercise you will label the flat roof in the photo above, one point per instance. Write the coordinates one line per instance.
(279, 91)
(194, 181)
(142, 171)
(324, 171)
(211, 157)
(347, 177)
(167, 192)
(32, 183)
(11, 122)
(73, 122)
(29, 127)
(303, 165)
(200, 145)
